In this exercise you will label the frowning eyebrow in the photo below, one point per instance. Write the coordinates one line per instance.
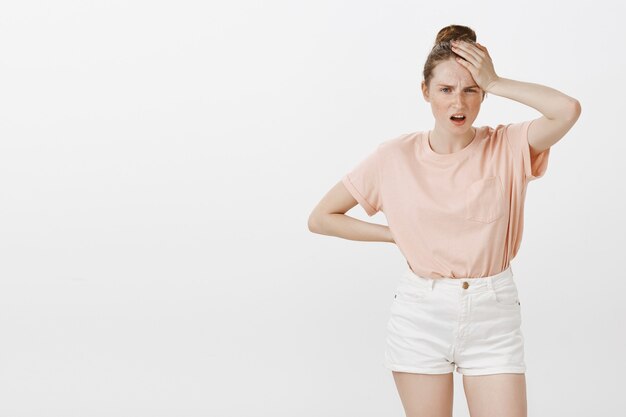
(446, 85)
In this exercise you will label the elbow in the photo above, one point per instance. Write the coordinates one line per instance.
(314, 223)
(575, 110)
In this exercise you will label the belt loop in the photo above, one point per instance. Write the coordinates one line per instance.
(490, 283)
(431, 284)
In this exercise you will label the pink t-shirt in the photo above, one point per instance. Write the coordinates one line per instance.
(451, 215)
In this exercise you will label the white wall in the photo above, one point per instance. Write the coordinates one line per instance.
(158, 163)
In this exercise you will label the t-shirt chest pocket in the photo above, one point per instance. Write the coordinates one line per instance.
(484, 200)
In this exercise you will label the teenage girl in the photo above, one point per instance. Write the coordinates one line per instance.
(454, 197)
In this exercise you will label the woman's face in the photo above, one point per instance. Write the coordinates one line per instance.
(453, 90)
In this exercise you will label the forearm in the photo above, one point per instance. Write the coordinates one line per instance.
(550, 102)
(347, 227)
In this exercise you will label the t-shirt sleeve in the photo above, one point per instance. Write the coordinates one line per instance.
(531, 168)
(363, 182)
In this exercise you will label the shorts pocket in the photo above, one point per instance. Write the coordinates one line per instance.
(484, 200)
(505, 295)
(411, 292)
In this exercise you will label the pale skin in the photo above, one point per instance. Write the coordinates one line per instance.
(499, 395)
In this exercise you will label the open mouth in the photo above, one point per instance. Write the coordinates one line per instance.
(458, 119)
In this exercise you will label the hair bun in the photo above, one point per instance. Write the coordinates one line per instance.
(455, 32)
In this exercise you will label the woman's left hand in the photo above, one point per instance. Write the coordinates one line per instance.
(477, 61)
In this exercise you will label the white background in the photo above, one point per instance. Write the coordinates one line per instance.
(158, 164)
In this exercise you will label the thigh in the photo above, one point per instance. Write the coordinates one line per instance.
(498, 395)
(425, 395)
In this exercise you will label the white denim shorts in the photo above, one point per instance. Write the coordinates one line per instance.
(473, 323)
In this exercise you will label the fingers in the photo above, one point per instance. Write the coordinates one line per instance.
(473, 52)
(466, 51)
(470, 46)
(482, 47)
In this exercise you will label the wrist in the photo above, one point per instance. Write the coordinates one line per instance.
(492, 84)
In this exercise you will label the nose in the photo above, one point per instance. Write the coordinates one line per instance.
(458, 98)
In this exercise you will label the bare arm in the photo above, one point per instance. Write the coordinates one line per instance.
(328, 218)
(559, 110)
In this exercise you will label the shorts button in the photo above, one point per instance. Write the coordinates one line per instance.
(465, 285)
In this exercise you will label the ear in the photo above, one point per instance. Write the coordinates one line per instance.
(425, 92)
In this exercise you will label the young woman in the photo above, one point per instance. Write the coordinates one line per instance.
(454, 198)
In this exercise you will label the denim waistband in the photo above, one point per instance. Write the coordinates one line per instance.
(475, 284)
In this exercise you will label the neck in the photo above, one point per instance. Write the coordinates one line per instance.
(450, 145)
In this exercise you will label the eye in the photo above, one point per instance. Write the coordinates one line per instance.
(471, 90)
